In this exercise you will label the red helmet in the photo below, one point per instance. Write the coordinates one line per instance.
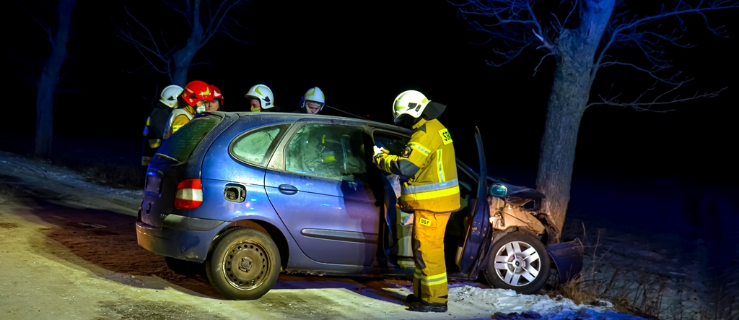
(196, 91)
(216, 93)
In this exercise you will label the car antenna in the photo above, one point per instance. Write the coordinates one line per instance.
(330, 107)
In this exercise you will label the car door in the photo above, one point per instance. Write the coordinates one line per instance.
(478, 234)
(317, 185)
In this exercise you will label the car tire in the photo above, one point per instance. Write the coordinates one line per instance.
(244, 265)
(518, 261)
(183, 267)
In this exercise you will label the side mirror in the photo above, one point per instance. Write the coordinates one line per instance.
(498, 190)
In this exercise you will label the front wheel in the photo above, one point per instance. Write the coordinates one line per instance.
(244, 265)
(518, 261)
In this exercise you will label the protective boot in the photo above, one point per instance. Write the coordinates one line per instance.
(423, 306)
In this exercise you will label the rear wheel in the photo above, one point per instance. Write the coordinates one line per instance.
(244, 265)
(518, 261)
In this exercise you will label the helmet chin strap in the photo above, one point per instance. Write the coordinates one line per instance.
(408, 121)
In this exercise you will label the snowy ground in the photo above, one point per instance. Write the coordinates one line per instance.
(71, 243)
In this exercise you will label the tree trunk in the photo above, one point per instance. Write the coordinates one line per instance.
(49, 79)
(182, 61)
(567, 102)
(183, 57)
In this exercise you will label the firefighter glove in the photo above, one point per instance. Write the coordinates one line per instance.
(378, 152)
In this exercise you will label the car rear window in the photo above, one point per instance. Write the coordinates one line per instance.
(254, 146)
(181, 144)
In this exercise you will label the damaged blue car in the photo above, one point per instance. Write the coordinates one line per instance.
(250, 195)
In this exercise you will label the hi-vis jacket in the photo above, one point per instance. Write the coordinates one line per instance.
(429, 162)
(177, 119)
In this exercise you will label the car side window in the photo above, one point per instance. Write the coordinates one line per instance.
(327, 151)
(394, 144)
(254, 146)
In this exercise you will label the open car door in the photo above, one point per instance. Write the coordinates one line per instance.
(477, 238)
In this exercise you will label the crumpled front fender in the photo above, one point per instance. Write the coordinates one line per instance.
(568, 258)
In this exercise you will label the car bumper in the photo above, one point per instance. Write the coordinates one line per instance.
(568, 258)
(179, 237)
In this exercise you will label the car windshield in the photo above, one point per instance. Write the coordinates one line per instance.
(180, 145)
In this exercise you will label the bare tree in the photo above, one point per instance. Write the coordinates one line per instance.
(579, 34)
(205, 19)
(50, 76)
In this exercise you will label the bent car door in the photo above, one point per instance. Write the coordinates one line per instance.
(317, 186)
(478, 235)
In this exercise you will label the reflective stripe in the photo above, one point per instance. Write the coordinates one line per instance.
(430, 187)
(175, 128)
(419, 147)
(145, 160)
(431, 194)
(148, 121)
(155, 143)
(430, 280)
(440, 165)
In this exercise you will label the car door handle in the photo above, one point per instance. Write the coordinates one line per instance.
(288, 189)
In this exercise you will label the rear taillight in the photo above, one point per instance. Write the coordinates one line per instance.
(189, 194)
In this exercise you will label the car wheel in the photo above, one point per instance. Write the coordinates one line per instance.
(183, 267)
(244, 265)
(518, 261)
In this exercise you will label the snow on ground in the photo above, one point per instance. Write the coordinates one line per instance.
(64, 180)
(467, 300)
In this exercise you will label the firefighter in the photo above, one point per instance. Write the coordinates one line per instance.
(157, 121)
(312, 101)
(217, 103)
(195, 97)
(261, 99)
(431, 193)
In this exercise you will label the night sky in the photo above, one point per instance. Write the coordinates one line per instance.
(363, 56)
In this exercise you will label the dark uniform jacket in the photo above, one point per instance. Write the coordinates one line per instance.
(154, 131)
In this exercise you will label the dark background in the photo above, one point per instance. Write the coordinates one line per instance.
(362, 56)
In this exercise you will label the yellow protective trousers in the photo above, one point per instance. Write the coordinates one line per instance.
(429, 280)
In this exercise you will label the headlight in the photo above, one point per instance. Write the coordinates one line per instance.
(498, 190)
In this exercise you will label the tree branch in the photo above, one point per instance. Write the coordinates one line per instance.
(626, 32)
(205, 21)
(652, 72)
(512, 21)
(44, 26)
(642, 104)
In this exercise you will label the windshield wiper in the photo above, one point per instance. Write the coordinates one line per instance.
(160, 156)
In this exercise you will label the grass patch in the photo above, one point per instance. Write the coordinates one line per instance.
(639, 291)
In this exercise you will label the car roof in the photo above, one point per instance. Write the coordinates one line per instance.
(287, 116)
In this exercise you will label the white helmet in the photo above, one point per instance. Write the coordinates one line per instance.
(169, 95)
(409, 102)
(263, 93)
(314, 94)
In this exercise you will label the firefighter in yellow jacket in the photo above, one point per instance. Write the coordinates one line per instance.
(431, 193)
(196, 95)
